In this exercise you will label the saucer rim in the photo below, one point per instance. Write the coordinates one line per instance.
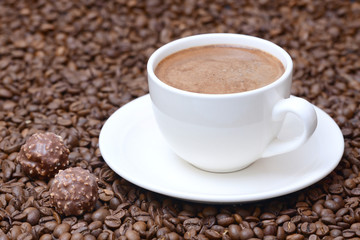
(216, 198)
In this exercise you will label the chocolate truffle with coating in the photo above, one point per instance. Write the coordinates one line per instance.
(43, 155)
(74, 191)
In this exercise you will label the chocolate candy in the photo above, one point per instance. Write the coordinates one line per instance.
(43, 155)
(74, 191)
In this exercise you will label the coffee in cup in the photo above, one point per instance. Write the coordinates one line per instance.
(219, 69)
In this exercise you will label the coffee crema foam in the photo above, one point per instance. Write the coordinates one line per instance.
(219, 69)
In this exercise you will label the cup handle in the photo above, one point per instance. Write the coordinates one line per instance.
(305, 112)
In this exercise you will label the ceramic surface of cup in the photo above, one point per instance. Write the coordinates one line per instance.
(227, 132)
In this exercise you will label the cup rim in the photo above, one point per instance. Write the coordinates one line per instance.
(167, 48)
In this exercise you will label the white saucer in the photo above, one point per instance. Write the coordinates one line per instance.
(131, 144)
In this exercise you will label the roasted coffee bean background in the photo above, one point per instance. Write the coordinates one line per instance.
(66, 66)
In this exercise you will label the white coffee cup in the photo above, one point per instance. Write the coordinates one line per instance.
(227, 132)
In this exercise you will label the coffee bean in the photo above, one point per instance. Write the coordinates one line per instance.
(190, 234)
(328, 220)
(112, 221)
(355, 226)
(209, 221)
(161, 232)
(348, 233)
(224, 219)
(280, 233)
(350, 183)
(343, 225)
(77, 236)
(61, 229)
(106, 195)
(209, 211)
(79, 227)
(355, 191)
(335, 232)
(169, 225)
(336, 189)
(33, 215)
(267, 216)
(139, 226)
(308, 228)
(218, 228)
(65, 236)
(246, 233)
(295, 237)
(321, 228)
(258, 232)
(192, 223)
(89, 237)
(234, 231)
(100, 214)
(8, 167)
(270, 230)
(15, 232)
(95, 225)
(309, 218)
(313, 237)
(114, 203)
(46, 237)
(212, 234)
(103, 236)
(26, 227)
(50, 226)
(175, 236)
(326, 213)
(318, 207)
(25, 236)
(289, 227)
(252, 219)
(296, 219)
(269, 237)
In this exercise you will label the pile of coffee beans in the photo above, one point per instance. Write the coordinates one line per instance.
(66, 66)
